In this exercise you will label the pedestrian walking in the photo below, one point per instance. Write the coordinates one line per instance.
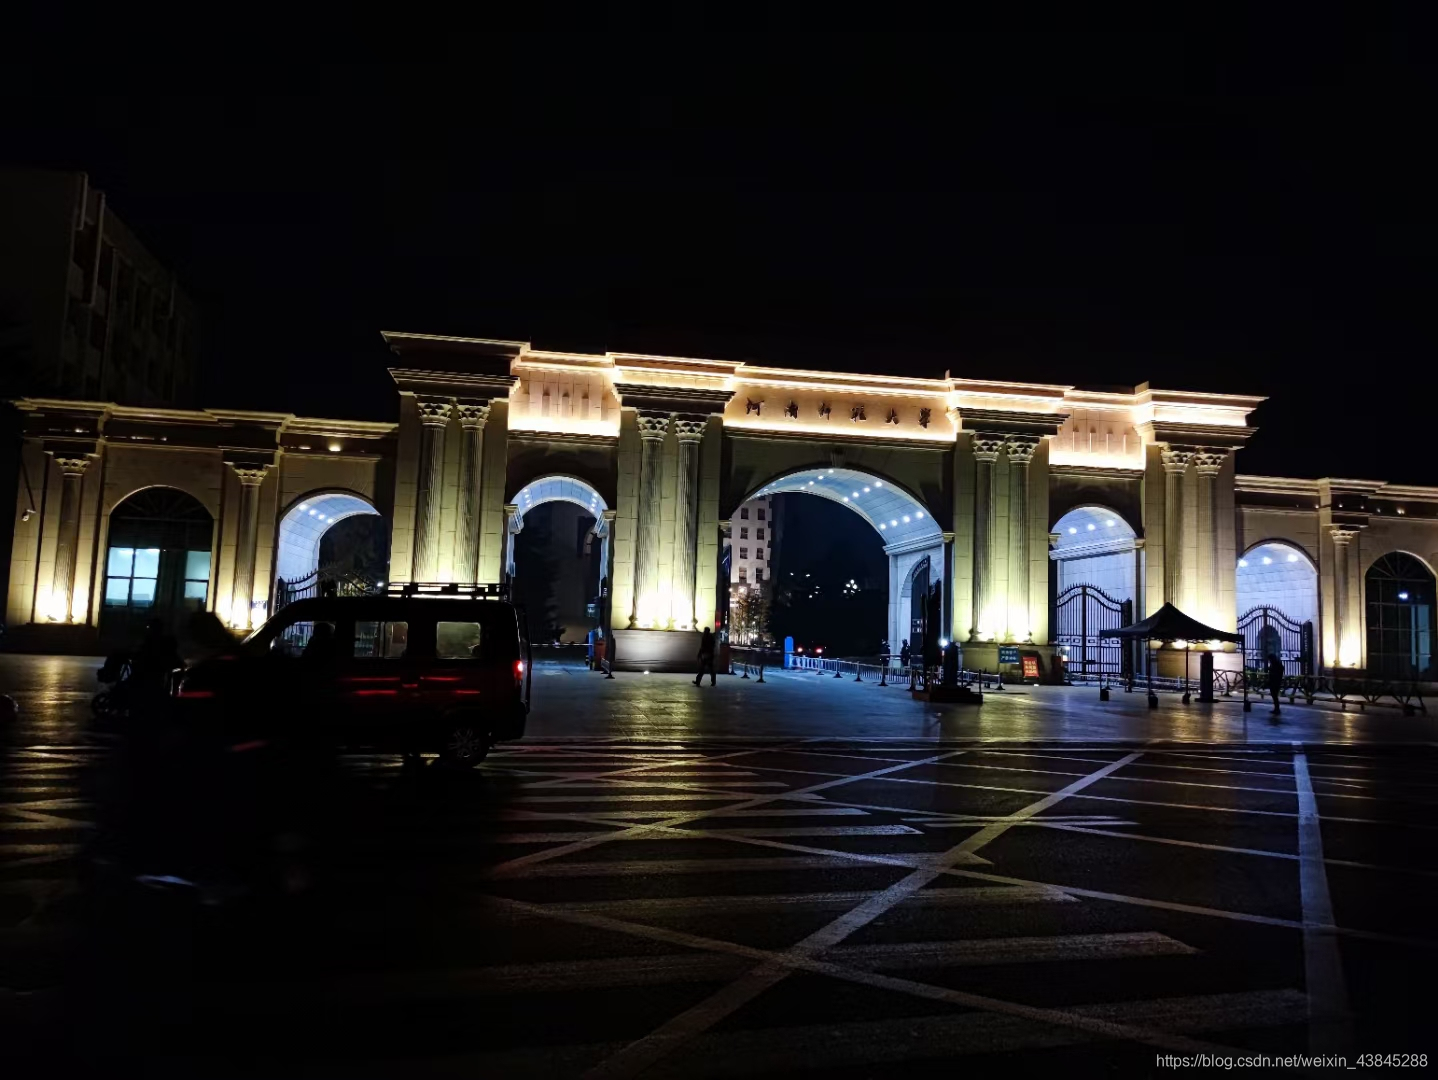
(1275, 678)
(904, 653)
(706, 657)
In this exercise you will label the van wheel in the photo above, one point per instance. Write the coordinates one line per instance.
(465, 747)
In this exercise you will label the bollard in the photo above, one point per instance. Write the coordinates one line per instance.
(837, 673)
(1000, 685)
(746, 669)
(1152, 700)
(856, 674)
(1185, 697)
(1103, 693)
(761, 671)
(608, 670)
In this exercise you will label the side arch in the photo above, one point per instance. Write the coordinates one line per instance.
(301, 527)
(1400, 605)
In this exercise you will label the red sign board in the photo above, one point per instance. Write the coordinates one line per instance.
(1031, 667)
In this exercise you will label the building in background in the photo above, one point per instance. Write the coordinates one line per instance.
(751, 539)
(85, 310)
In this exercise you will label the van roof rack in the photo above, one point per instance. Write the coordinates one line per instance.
(487, 590)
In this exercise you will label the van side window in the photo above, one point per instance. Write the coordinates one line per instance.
(381, 640)
(457, 640)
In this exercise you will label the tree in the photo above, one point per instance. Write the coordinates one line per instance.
(749, 615)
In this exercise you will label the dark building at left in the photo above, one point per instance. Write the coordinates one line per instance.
(86, 311)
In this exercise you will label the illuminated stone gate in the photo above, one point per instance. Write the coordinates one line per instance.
(971, 478)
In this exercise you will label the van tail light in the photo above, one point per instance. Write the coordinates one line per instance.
(518, 672)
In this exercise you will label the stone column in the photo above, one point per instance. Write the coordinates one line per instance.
(986, 452)
(1021, 452)
(1208, 464)
(62, 591)
(513, 525)
(946, 618)
(652, 429)
(1175, 464)
(1138, 584)
(242, 595)
(472, 417)
(434, 418)
(686, 524)
(1341, 539)
(604, 529)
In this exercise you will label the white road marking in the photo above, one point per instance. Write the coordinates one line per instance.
(515, 866)
(627, 868)
(1329, 1025)
(609, 973)
(682, 1028)
(1081, 1019)
(659, 815)
(971, 896)
(666, 833)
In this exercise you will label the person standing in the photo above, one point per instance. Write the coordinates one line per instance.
(706, 657)
(1275, 678)
(905, 653)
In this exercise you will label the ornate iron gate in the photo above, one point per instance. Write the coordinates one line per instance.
(1083, 616)
(1267, 630)
(919, 611)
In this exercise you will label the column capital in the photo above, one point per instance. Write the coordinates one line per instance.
(433, 411)
(1021, 450)
(1342, 534)
(689, 430)
(73, 466)
(250, 475)
(1209, 460)
(1054, 538)
(1138, 543)
(653, 425)
(472, 415)
(987, 447)
(1176, 459)
(947, 537)
(609, 515)
(726, 527)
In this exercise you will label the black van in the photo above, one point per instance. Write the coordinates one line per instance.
(440, 669)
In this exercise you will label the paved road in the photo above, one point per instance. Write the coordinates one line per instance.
(606, 907)
(54, 694)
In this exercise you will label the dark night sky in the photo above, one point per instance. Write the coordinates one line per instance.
(1096, 211)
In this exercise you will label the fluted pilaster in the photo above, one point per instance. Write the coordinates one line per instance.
(1208, 463)
(67, 542)
(473, 415)
(653, 427)
(1175, 464)
(986, 452)
(1021, 452)
(1342, 538)
(691, 433)
(434, 419)
(247, 531)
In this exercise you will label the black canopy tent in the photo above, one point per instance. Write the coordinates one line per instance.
(1168, 624)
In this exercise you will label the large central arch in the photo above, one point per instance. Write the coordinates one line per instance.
(562, 583)
(907, 528)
